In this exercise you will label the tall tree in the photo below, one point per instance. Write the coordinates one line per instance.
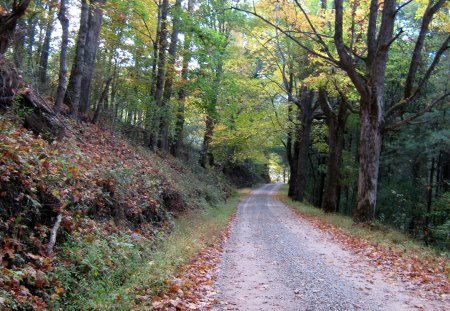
(62, 77)
(368, 75)
(90, 51)
(45, 49)
(180, 116)
(73, 92)
(161, 74)
(336, 121)
(165, 118)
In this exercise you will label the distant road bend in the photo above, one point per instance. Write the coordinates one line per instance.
(275, 260)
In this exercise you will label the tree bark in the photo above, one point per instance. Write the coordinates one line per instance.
(165, 119)
(8, 22)
(336, 130)
(19, 44)
(160, 77)
(209, 132)
(179, 125)
(90, 52)
(62, 16)
(45, 49)
(306, 119)
(371, 89)
(73, 92)
(294, 164)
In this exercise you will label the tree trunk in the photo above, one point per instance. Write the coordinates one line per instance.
(293, 166)
(151, 111)
(45, 49)
(160, 77)
(165, 119)
(90, 52)
(31, 31)
(73, 92)
(335, 141)
(101, 102)
(369, 159)
(155, 52)
(371, 88)
(209, 132)
(306, 118)
(336, 130)
(322, 179)
(62, 16)
(19, 44)
(430, 186)
(179, 126)
(8, 22)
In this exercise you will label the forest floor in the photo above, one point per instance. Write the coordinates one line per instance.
(276, 259)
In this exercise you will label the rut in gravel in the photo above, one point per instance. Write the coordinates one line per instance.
(275, 260)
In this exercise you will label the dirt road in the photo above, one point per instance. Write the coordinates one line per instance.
(274, 260)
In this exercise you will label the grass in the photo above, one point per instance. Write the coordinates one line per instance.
(110, 270)
(377, 234)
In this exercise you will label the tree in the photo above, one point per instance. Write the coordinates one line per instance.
(90, 51)
(368, 75)
(161, 74)
(336, 121)
(8, 22)
(73, 92)
(180, 115)
(62, 16)
(45, 49)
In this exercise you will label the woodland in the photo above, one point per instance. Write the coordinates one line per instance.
(117, 115)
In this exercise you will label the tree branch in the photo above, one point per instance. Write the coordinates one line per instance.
(287, 34)
(395, 126)
(416, 94)
(345, 60)
(417, 53)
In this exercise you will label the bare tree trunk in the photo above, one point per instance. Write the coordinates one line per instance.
(369, 161)
(90, 52)
(19, 44)
(210, 116)
(155, 52)
(294, 165)
(45, 49)
(160, 78)
(209, 132)
(151, 111)
(165, 119)
(179, 125)
(306, 119)
(73, 92)
(372, 98)
(62, 16)
(336, 129)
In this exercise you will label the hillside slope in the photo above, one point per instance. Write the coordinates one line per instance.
(90, 188)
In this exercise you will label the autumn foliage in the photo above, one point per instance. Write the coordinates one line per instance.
(97, 182)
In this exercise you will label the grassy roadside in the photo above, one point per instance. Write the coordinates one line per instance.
(378, 234)
(122, 267)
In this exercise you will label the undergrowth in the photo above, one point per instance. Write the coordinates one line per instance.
(117, 204)
(100, 272)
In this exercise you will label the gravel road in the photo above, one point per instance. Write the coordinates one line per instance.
(275, 260)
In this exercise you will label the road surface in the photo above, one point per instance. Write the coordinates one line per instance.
(275, 260)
